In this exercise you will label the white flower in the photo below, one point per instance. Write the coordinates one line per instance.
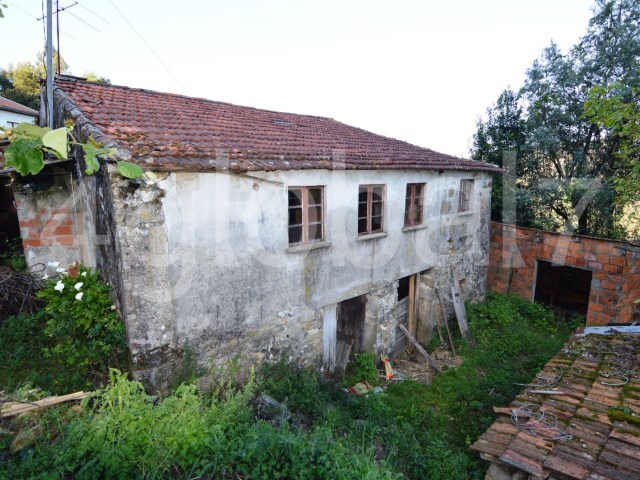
(83, 274)
(53, 264)
(59, 286)
(78, 285)
(113, 307)
(45, 276)
(79, 296)
(60, 270)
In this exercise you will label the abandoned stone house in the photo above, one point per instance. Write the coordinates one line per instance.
(256, 233)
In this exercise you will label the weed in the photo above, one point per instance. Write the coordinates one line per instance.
(362, 368)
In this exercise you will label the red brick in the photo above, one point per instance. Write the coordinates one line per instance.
(63, 230)
(617, 261)
(615, 269)
(26, 223)
(32, 243)
(595, 265)
(65, 240)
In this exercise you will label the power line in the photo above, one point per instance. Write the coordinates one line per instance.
(94, 13)
(147, 45)
(80, 19)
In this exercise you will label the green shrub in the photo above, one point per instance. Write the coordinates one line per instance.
(298, 387)
(70, 344)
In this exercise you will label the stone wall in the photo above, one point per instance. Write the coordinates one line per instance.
(615, 267)
(201, 261)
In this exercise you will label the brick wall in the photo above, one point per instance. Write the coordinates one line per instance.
(615, 267)
(47, 225)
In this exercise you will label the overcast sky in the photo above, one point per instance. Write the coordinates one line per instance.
(421, 71)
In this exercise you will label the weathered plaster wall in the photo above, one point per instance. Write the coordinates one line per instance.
(10, 119)
(236, 288)
(615, 285)
(202, 259)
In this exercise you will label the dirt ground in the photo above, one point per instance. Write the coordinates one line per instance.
(415, 366)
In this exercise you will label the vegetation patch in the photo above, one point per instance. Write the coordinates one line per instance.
(411, 430)
(70, 343)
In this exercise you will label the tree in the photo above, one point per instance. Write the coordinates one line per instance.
(566, 163)
(22, 82)
(616, 108)
(502, 136)
(94, 77)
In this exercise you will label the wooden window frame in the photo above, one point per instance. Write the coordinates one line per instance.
(305, 214)
(465, 193)
(369, 189)
(411, 204)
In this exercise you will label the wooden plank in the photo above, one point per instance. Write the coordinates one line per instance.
(433, 364)
(411, 308)
(445, 321)
(15, 408)
(458, 305)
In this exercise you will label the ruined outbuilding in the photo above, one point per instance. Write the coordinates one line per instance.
(256, 233)
(593, 277)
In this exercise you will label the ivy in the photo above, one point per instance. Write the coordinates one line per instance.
(30, 143)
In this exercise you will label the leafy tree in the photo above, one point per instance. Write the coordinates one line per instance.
(22, 82)
(564, 162)
(616, 108)
(94, 77)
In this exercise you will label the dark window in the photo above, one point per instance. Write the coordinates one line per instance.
(464, 201)
(370, 209)
(306, 214)
(414, 204)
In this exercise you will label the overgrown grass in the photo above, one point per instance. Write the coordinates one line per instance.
(412, 430)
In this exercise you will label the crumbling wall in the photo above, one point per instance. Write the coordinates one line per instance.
(233, 288)
(46, 213)
(615, 285)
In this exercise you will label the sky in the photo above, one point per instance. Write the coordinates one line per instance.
(420, 71)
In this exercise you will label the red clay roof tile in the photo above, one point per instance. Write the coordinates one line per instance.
(11, 106)
(178, 132)
(599, 448)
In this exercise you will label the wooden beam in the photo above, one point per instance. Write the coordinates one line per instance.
(411, 308)
(433, 364)
(10, 409)
(446, 321)
(458, 305)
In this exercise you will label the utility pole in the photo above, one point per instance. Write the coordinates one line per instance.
(58, 31)
(49, 65)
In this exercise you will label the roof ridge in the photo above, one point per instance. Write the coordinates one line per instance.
(18, 106)
(74, 79)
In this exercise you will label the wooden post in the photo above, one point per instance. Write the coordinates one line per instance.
(446, 323)
(414, 342)
(458, 305)
(411, 308)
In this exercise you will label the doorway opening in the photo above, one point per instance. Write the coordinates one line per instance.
(349, 330)
(563, 288)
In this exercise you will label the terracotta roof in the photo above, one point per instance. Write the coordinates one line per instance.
(597, 413)
(178, 132)
(15, 107)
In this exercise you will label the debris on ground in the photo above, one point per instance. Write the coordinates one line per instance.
(415, 367)
(270, 410)
(11, 408)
